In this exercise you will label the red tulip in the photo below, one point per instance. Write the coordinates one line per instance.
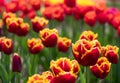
(39, 23)
(35, 45)
(63, 44)
(16, 63)
(111, 53)
(101, 68)
(90, 18)
(86, 52)
(49, 37)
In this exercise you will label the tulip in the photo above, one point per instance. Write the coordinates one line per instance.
(39, 23)
(1, 27)
(101, 68)
(11, 7)
(12, 25)
(58, 13)
(47, 13)
(23, 29)
(35, 45)
(1, 40)
(80, 11)
(35, 4)
(7, 46)
(49, 37)
(65, 70)
(70, 3)
(116, 21)
(88, 35)
(63, 44)
(86, 52)
(102, 17)
(16, 63)
(111, 53)
(7, 15)
(111, 11)
(45, 77)
(90, 18)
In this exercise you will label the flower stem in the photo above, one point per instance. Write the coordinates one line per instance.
(87, 74)
(101, 81)
(111, 75)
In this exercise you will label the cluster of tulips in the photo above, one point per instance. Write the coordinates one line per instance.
(26, 35)
(87, 52)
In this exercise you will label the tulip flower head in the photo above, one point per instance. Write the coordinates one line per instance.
(90, 18)
(16, 63)
(65, 70)
(39, 23)
(89, 35)
(63, 44)
(7, 15)
(111, 53)
(45, 77)
(35, 46)
(101, 68)
(86, 52)
(1, 41)
(49, 37)
(58, 13)
(7, 46)
(70, 3)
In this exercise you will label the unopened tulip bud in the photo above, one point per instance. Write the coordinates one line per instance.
(16, 63)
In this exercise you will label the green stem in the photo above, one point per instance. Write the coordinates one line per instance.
(101, 80)
(34, 64)
(111, 75)
(87, 74)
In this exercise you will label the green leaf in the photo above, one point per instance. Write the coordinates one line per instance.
(3, 74)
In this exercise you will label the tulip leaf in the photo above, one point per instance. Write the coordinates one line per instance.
(3, 74)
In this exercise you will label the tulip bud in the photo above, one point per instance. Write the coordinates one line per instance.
(63, 44)
(86, 52)
(111, 53)
(39, 23)
(49, 37)
(35, 45)
(58, 13)
(47, 13)
(90, 18)
(101, 68)
(16, 63)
